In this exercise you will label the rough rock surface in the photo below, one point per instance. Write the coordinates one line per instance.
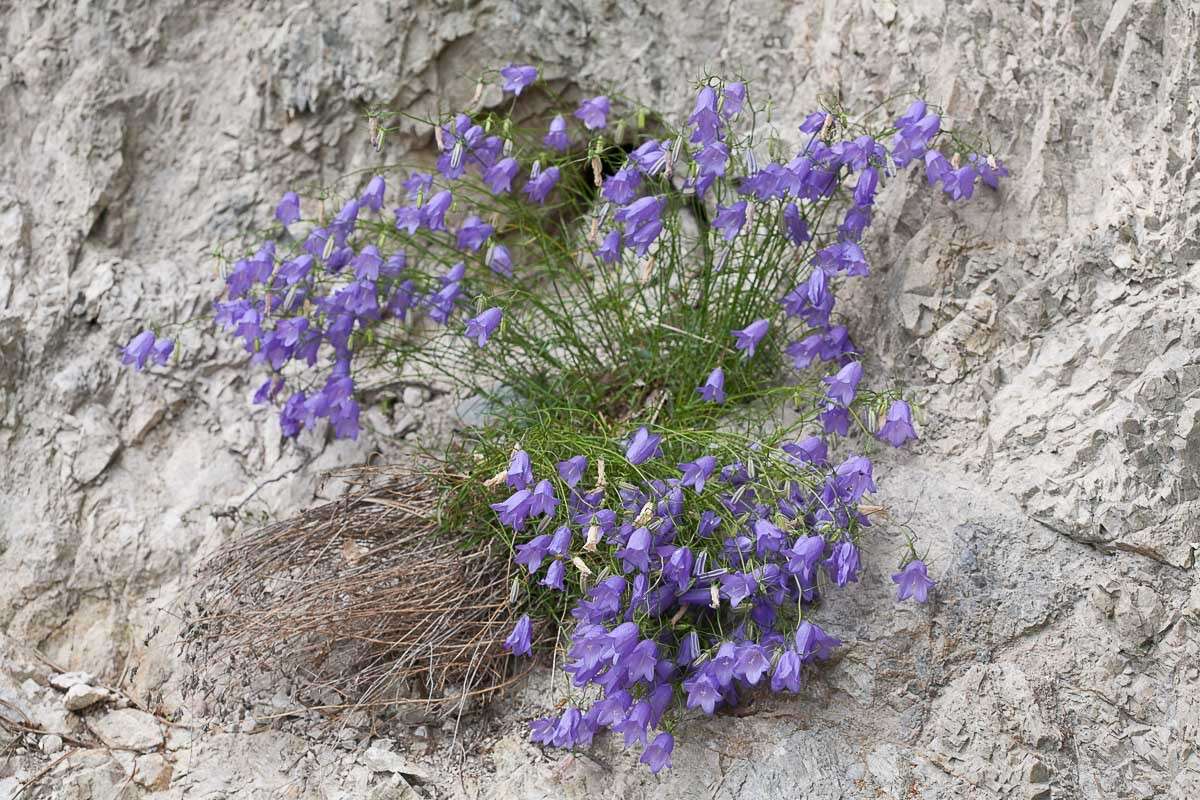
(1054, 327)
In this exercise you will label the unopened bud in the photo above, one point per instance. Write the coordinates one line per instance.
(330, 243)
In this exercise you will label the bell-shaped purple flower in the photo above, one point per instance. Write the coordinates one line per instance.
(543, 500)
(610, 248)
(749, 337)
(571, 470)
(813, 643)
(854, 478)
(713, 388)
(843, 564)
(473, 233)
(844, 384)
(372, 196)
(480, 328)
(643, 446)
(751, 662)
(541, 184)
(936, 167)
(517, 77)
(898, 425)
(633, 727)
(519, 642)
(622, 186)
(730, 219)
(515, 510)
(913, 581)
(636, 552)
(288, 210)
(499, 261)
(786, 676)
(812, 450)
(593, 113)
(557, 139)
(803, 556)
(499, 176)
(658, 755)
(433, 213)
(695, 473)
(532, 553)
(702, 691)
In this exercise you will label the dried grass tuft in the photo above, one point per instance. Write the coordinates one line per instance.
(363, 603)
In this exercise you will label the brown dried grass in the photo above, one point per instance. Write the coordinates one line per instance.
(363, 603)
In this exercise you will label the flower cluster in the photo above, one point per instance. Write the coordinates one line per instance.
(508, 264)
(697, 586)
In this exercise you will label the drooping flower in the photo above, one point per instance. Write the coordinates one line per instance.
(519, 642)
(854, 478)
(518, 77)
(593, 112)
(812, 450)
(844, 384)
(540, 185)
(786, 676)
(499, 261)
(473, 233)
(713, 388)
(480, 328)
(543, 499)
(571, 470)
(730, 219)
(557, 139)
(499, 176)
(864, 190)
(843, 563)
(417, 184)
(372, 196)
(532, 553)
(751, 662)
(749, 337)
(733, 99)
(651, 156)
(812, 643)
(898, 426)
(696, 473)
(288, 210)
(636, 552)
(960, 183)
(621, 187)
(515, 510)
(936, 167)
(633, 727)
(913, 581)
(643, 446)
(433, 213)
(702, 691)
(658, 755)
(145, 347)
(704, 119)
(610, 249)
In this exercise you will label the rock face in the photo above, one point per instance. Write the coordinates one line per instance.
(1053, 328)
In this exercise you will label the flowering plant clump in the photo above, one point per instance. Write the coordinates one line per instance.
(624, 294)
